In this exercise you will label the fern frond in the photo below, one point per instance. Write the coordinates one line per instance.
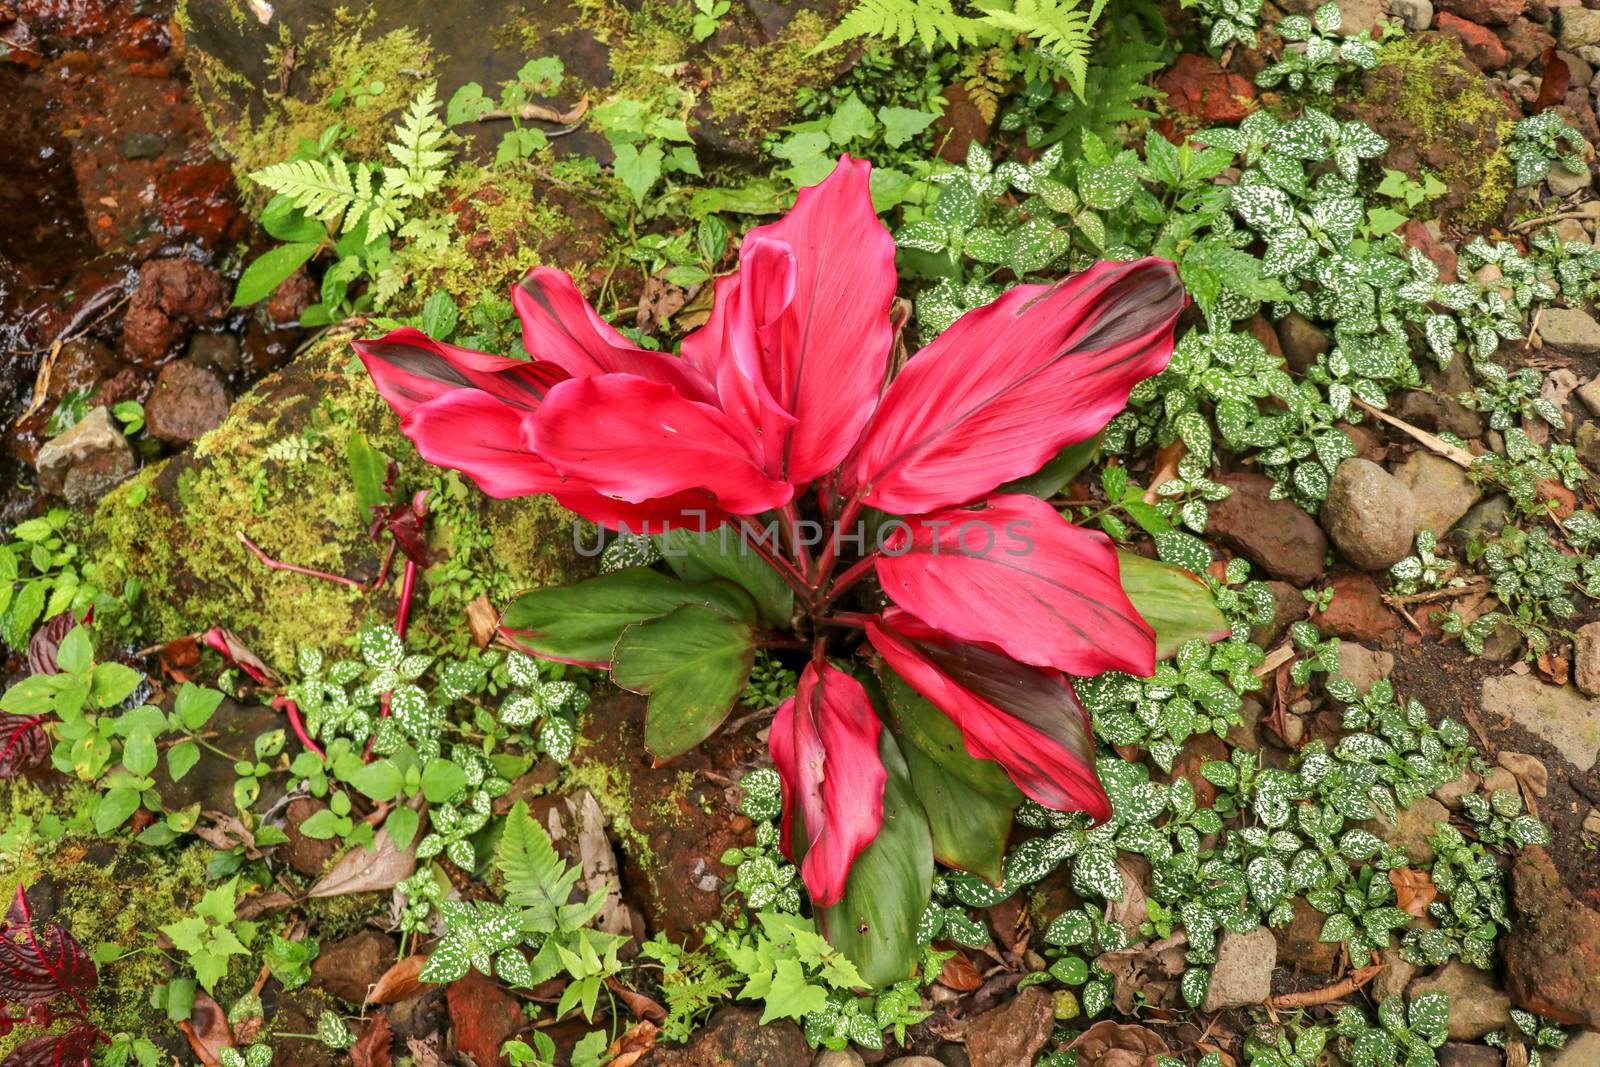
(321, 188)
(1062, 31)
(929, 21)
(417, 149)
(536, 878)
(986, 76)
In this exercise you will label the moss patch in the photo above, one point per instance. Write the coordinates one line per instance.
(1440, 113)
(276, 472)
(754, 88)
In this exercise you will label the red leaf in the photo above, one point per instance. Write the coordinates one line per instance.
(1015, 574)
(806, 326)
(399, 981)
(372, 1047)
(23, 743)
(410, 368)
(639, 440)
(1024, 718)
(483, 437)
(559, 326)
(207, 1029)
(46, 640)
(1553, 87)
(227, 644)
(39, 964)
(1012, 383)
(824, 742)
(70, 1049)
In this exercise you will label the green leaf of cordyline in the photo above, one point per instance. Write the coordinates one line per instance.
(1173, 601)
(692, 664)
(724, 553)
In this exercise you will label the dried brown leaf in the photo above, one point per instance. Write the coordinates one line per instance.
(372, 1047)
(399, 982)
(360, 871)
(207, 1029)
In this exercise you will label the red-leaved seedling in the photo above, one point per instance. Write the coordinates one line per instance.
(39, 965)
(782, 406)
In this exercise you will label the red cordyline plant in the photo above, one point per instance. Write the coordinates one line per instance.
(777, 426)
(39, 964)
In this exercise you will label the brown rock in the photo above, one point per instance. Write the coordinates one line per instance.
(1300, 945)
(1275, 535)
(1477, 1006)
(1586, 659)
(735, 1037)
(81, 364)
(959, 125)
(1357, 611)
(1423, 236)
(1301, 341)
(1198, 86)
(1553, 954)
(305, 854)
(1484, 12)
(1441, 492)
(86, 461)
(1480, 44)
(1369, 514)
(1526, 41)
(1457, 1054)
(173, 296)
(1291, 607)
(188, 401)
(482, 1017)
(347, 967)
(1014, 1032)
(292, 296)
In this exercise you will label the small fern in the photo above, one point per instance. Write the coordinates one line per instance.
(986, 76)
(538, 881)
(1062, 32)
(929, 21)
(343, 195)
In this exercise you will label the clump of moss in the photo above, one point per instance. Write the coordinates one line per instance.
(754, 87)
(1440, 113)
(276, 472)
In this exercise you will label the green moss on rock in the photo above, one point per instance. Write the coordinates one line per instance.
(276, 472)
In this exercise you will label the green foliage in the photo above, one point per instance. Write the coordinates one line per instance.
(213, 934)
(42, 574)
(1404, 1031)
(1228, 22)
(1323, 58)
(1542, 139)
(537, 77)
(692, 985)
(1532, 1033)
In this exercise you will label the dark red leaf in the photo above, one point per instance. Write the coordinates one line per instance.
(22, 742)
(42, 646)
(57, 1050)
(207, 1030)
(227, 645)
(1557, 79)
(39, 964)
(372, 1048)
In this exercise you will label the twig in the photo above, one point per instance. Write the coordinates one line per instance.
(1459, 456)
(572, 117)
(1533, 224)
(1275, 659)
(1436, 594)
(1342, 988)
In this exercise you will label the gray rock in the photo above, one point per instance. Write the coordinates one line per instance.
(847, 1058)
(1559, 714)
(1362, 666)
(1589, 394)
(1398, 974)
(1459, 1054)
(1416, 14)
(1411, 831)
(1586, 443)
(1485, 517)
(1570, 330)
(1369, 514)
(1441, 492)
(1243, 972)
(1302, 342)
(1564, 182)
(87, 461)
(143, 145)
(1503, 644)
(1580, 28)
(1450, 793)
(1582, 1050)
(914, 1061)
(1359, 15)
(1477, 1005)
(1586, 660)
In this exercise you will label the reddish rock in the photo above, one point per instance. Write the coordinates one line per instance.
(188, 401)
(1479, 43)
(1484, 12)
(1014, 1032)
(482, 1017)
(959, 125)
(735, 1037)
(1201, 748)
(173, 296)
(1275, 535)
(347, 967)
(1197, 85)
(292, 296)
(1417, 235)
(1357, 612)
(1300, 944)
(1553, 954)
(1291, 607)
(1526, 41)
(1259, 328)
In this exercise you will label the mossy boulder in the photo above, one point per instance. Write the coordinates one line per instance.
(1442, 115)
(277, 472)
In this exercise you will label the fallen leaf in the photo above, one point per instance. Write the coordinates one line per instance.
(1413, 890)
(207, 1029)
(360, 871)
(228, 645)
(1166, 469)
(959, 974)
(262, 903)
(1530, 771)
(626, 1050)
(426, 1053)
(1557, 79)
(482, 1017)
(599, 862)
(1110, 1044)
(643, 1007)
(372, 1047)
(399, 982)
(660, 301)
(482, 620)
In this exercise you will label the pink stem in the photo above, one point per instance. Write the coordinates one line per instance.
(408, 585)
(279, 565)
(777, 563)
(296, 723)
(830, 550)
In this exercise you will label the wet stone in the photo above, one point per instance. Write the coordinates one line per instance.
(88, 460)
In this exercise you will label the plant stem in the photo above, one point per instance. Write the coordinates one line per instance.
(830, 551)
(279, 565)
(791, 526)
(297, 724)
(776, 562)
(857, 571)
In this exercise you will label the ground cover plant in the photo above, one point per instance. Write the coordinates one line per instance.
(1019, 533)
